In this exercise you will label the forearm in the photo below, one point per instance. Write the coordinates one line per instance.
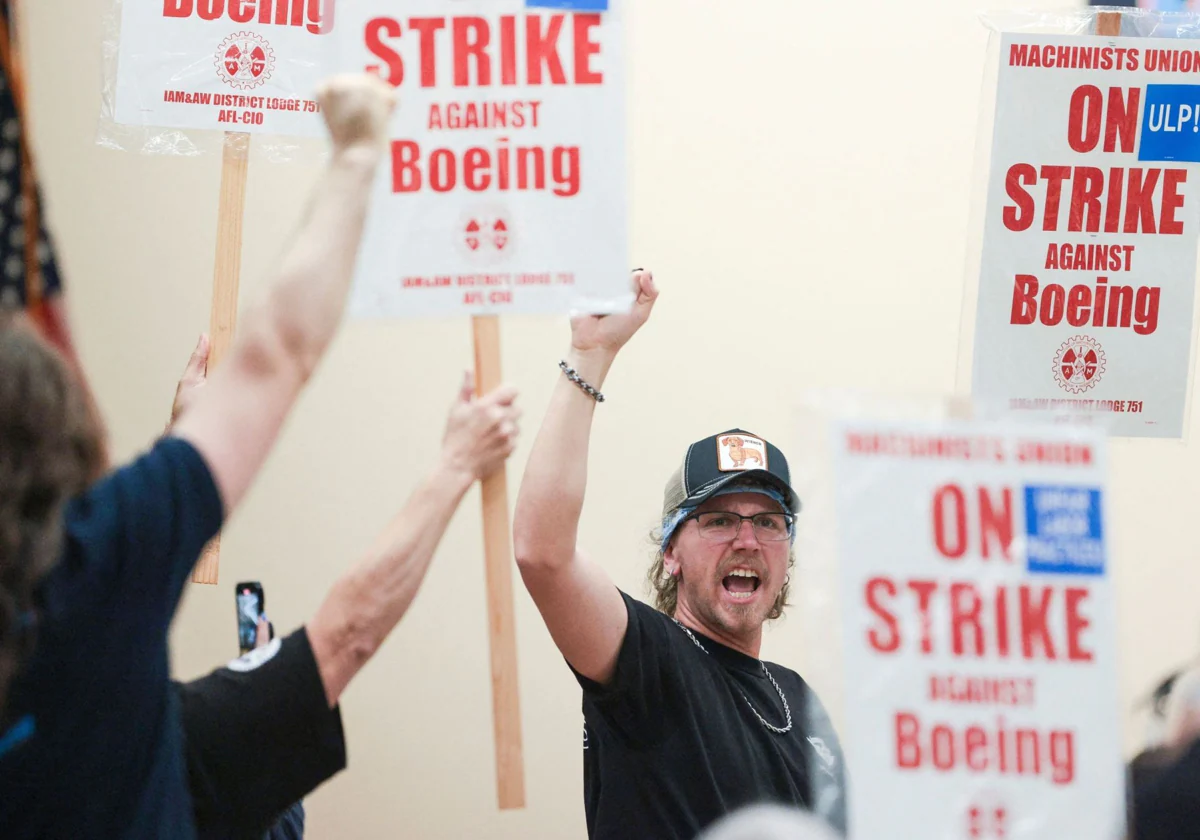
(550, 500)
(308, 297)
(369, 601)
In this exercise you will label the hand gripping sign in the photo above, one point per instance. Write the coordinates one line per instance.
(975, 605)
(1086, 281)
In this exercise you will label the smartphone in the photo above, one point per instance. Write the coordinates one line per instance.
(250, 605)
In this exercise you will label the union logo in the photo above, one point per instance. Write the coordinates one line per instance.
(245, 60)
(1078, 364)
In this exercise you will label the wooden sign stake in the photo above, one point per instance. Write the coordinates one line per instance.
(226, 276)
(497, 541)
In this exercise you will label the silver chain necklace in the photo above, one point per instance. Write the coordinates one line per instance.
(787, 709)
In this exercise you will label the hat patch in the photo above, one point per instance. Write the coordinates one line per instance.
(736, 453)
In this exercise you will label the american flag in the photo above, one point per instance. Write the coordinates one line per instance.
(29, 278)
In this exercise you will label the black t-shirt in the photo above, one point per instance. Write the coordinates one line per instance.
(670, 744)
(1166, 799)
(101, 751)
(259, 737)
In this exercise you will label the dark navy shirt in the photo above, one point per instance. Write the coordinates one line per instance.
(98, 750)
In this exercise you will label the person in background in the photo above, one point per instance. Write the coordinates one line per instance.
(266, 730)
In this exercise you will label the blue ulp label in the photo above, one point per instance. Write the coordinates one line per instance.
(1171, 123)
(1063, 530)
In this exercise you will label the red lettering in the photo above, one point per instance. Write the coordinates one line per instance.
(477, 159)
(924, 590)
(428, 28)
(1083, 120)
(996, 525)
(1171, 201)
(1076, 624)
(443, 170)
(508, 50)
(882, 643)
(1139, 206)
(542, 48)
(1020, 216)
(1086, 187)
(238, 11)
(965, 605)
(1054, 298)
(1079, 301)
(1033, 622)
(1024, 306)
(177, 8)
(585, 48)
(406, 175)
(1053, 176)
(954, 495)
(908, 750)
(471, 37)
(1122, 119)
(210, 9)
(376, 30)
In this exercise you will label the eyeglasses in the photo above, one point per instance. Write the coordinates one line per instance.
(722, 526)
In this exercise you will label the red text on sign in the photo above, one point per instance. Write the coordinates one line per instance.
(314, 15)
(483, 56)
(1115, 201)
(479, 169)
(1004, 623)
(1081, 305)
(1002, 750)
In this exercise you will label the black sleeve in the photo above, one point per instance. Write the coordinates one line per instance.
(632, 701)
(1166, 804)
(143, 526)
(827, 763)
(259, 737)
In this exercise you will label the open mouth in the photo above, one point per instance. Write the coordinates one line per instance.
(741, 583)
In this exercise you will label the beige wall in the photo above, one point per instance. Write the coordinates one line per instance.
(800, 186)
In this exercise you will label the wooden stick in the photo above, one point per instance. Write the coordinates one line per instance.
(226, 275)
(1108, 23)
(497, 542)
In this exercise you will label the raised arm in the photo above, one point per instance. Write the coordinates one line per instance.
(581, 607)
(234, 419)
(364, 605)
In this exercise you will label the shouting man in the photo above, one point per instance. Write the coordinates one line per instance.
(684, 722)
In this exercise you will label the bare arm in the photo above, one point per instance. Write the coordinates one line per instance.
(582, 609)
(365, 605)
(234, 419)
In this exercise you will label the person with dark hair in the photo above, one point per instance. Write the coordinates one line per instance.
(683, 721)
(92, 572)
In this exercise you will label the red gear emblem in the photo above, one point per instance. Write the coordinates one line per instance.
(1079, 364)
(245, 60)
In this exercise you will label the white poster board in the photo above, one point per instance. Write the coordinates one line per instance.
(980, 674)
(248, 66)
(1087, 280)
(505, 191)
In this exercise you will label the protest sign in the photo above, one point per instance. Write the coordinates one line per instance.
(980, 675)
(506, 189)
(1087, 279)
(243, 65)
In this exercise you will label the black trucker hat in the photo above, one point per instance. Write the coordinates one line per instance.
(725, 458)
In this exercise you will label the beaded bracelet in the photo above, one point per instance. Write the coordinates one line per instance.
(574, 377)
